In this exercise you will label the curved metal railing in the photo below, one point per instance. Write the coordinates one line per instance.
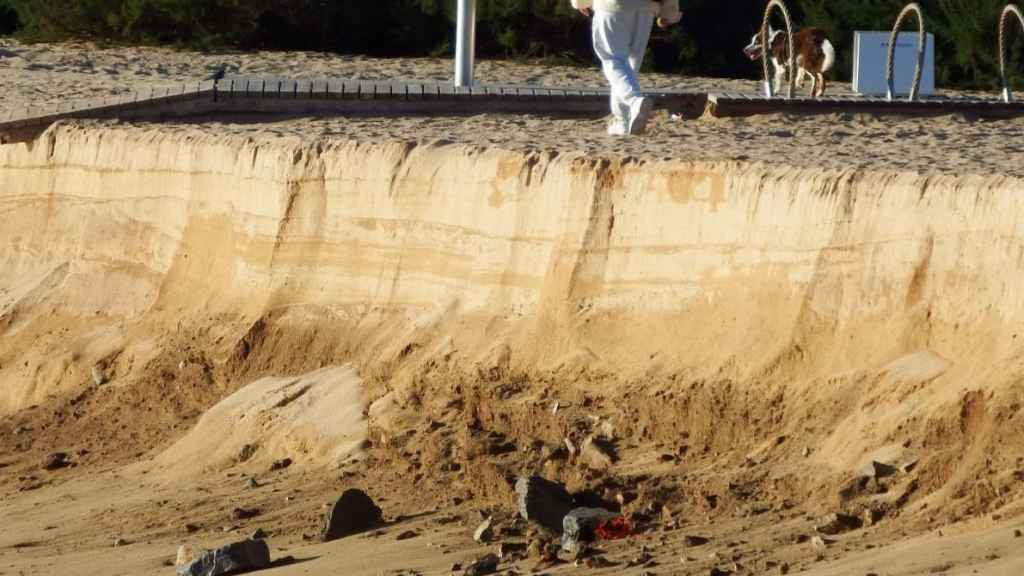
(769, 88)
(1004, 30)
(915, 88)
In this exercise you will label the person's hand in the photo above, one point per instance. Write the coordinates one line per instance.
(668, 22)
(584, 11)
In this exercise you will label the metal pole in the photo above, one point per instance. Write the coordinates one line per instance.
(465, 43)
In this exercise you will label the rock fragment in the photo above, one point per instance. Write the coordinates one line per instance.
(877, 470)
(99, 375)
(353, 513)
(579, 524)
(694, 541)
(484, 532)
(543, 502)
(837, 524)
(485, 565)
(56, 461)
(244, 556)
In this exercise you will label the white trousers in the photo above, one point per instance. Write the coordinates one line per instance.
(620, 40)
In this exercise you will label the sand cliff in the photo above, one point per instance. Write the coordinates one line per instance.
(708, 266)
(853, 315)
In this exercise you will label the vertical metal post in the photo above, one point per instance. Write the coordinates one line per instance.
(465, 43)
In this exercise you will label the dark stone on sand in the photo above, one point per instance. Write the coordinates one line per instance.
(56, 461)
(237, 558)
(543, 502)
(353, 513)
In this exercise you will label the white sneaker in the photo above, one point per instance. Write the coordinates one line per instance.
(639, 114)
(617, 127)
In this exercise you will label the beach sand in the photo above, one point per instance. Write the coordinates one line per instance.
(950, 144)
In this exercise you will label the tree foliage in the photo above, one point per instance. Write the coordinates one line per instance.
(708, 43)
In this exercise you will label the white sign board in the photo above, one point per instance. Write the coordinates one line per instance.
(870, 52)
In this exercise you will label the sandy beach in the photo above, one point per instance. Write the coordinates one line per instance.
(952, 144)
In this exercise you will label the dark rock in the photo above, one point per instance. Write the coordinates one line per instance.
(543, 502)
(509, 549)
(694, 541)
(353, 513)
(486, 565)
(245, 513)
(837, 524)
(244, 556)
(579, 525)
(252, 484)
(258, 534)
(280, 464)
(407, 535)
(246, 453)
(1017, 533)
(56, 461)
(191, 528)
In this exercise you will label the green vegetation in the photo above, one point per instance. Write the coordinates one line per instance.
(708, 42)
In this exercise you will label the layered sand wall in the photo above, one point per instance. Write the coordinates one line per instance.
(536, 261)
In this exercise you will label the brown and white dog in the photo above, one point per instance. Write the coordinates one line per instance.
(815, 56)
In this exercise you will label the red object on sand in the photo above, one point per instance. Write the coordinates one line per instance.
(614, 529)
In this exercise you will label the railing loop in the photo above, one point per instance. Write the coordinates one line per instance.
(915, 88)
(1004, 30)
(769, 87)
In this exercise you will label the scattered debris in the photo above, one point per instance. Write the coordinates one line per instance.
(543, 502)
(56, 460)
(243, 556)
(837, 524)
(485, 565)
(484, 532)
(353, 513)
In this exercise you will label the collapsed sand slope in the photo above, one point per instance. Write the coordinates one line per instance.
(317, 418)
(809, 285)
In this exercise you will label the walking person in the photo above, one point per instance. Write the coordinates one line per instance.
(621, 30)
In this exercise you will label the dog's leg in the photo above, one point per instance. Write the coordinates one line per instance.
(780, 77)
(821, 84)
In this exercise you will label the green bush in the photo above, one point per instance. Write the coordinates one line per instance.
(8, 18)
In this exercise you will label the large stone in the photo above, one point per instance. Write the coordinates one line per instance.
(543, 502)
(579, 526)
(237, 558)
(353, 513)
